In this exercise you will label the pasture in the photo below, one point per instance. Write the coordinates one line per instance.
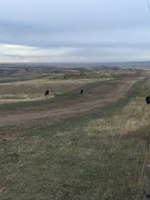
(70, 146)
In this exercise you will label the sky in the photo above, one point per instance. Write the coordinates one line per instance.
(74, 30)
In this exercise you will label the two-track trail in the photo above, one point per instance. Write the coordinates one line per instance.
(98, 96)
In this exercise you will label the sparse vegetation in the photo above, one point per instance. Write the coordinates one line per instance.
(99, 154)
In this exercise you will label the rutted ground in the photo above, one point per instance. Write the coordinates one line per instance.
(98, 97)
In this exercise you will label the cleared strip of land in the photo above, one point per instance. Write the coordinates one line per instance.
(100, 95)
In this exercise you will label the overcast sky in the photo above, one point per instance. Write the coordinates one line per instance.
(74, 30)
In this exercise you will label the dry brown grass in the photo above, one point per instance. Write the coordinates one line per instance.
(84, 157)
(131, 118)
(31, 90)
(94, 98)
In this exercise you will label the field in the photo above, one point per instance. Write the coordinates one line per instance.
(69, 146)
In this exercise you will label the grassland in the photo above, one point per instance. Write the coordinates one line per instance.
(33, 90)
(99, 154)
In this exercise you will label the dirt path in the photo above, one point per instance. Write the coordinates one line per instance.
(98, 97)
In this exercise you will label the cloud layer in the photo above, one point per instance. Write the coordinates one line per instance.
(74, 31)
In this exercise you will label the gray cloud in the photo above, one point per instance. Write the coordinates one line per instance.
(93, 29)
